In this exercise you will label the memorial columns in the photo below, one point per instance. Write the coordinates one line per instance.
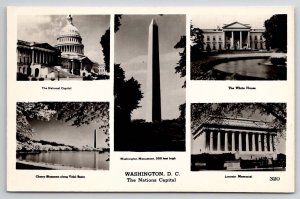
(265, 143)
(233, 141)
(240, 142)
(253, 142)
(259, 142)
(226, 142)
(204, 138)
(271, 142)
(247, 141)
(219, 142)
(211, 141)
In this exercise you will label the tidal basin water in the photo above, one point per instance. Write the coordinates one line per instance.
(77, 159)
(252, 68)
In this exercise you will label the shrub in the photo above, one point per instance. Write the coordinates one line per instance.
(278, 60)
(22, 77)
(208, 49)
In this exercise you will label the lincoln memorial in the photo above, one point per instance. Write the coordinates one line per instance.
(246, 139)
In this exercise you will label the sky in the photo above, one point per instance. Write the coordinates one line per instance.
(207, 21)
(46, 28)
(62, 132)
(131, 50)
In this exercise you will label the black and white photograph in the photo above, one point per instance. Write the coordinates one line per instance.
(239, 46)
(63, 47)
(62, 135)
(238, 136)
(149, 82)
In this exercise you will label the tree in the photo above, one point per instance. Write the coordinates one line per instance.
(26, 111)
(117, 22)
(181, 65)
(201, 112)
(276, 32)
(197, 38)
(127, 95)
(105, 43)
(182, 112)
(197, 43)
(79, 113)
(127, 92)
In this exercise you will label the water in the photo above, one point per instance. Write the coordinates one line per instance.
(76, 159)
(252, 68)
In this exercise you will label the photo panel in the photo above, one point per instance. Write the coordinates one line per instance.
(238, 137)
(62, 136)
(149, 82)
(63, 47)
(239, 46)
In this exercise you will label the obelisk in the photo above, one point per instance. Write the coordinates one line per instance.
(95, 139)
(153, 103)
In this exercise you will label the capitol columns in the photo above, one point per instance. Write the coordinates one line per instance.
(219, 141)
(40, 57)
(32, 57)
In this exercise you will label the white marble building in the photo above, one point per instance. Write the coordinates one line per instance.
(234, 36)
(246, 139)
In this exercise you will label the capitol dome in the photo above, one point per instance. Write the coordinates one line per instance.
(69, 29)
(69, 40)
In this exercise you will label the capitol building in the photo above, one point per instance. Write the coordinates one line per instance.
(69, 42)
(41, 60)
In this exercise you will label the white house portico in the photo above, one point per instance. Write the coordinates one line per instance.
(234, 36)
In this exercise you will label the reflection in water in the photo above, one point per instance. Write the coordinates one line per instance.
(77, 159)
(252, 68)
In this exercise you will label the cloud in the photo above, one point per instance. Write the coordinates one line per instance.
(38, 28)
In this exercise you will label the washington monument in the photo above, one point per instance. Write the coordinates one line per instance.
(153, 101)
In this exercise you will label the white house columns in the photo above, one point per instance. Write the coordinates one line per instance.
(238, 38)
(221, 141)
(241, 41)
